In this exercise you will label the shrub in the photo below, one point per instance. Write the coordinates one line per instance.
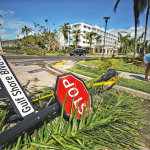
(39, 52)
(21, 51)
(63, 51)
(113, 55)
(31, 52)
(70, 48)
(140, 57)
(11, 48)
(121, 53)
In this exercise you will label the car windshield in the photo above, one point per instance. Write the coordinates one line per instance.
(75, 50)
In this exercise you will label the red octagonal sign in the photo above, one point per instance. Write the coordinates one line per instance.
(70, 85)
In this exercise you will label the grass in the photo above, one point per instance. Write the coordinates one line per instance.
(118, 64)
(134, 84)
(115, 122)
(130, 83)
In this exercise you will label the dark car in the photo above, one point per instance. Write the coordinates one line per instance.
(78, 51)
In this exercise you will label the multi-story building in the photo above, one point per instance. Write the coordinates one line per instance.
(9, 43)
(111, 40)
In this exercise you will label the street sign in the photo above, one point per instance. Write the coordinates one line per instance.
(73, 88)
(66, 84)
(10, 87)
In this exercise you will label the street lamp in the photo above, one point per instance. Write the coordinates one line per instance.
(106, 20)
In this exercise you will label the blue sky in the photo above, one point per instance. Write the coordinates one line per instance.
(18, 13)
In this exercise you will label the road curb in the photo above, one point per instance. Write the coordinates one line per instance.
(119, 88)
(66, 71)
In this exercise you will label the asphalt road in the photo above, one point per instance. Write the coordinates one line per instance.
(19, 58)
(10, 51)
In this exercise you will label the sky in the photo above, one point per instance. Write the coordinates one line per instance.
(19, 13)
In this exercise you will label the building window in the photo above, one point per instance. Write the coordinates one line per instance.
(89, 28)
(84, 26)
(84, 42)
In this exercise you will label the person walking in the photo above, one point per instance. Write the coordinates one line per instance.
(146, 60)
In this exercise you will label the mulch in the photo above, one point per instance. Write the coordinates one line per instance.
(139, 64)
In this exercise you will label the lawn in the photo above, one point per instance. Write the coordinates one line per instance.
(117, 121)
(95, 73)
(118, 64)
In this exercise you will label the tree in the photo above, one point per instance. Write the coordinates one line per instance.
(98, 37)
(0, 16)
(146, 3)
(138, 9)
(26, 30)
(90, 37)
(46, 20)
(77, 34)
(139, 40)
(65, 30)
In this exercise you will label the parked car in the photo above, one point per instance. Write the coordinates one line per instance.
(78, 51)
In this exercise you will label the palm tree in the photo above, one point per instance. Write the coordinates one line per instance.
(64, 30)
(123, 39)
(77, 34)
(97, 41)
(90, 36)
(46, 20)
(0, 16)
(139, 41)
(26, 30)
(137, 11)
(146, 3)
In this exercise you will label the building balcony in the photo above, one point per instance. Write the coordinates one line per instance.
(76, 28)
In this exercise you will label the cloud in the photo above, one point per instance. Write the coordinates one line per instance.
(100, 27)
(9, 21)
(14, 23)
(140, 30)
(4, 34)
(7, 13)
(18, 33)
(1, 21)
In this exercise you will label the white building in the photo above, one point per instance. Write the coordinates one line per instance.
(110, 39)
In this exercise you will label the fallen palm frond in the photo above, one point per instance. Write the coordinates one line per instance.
(114, 122)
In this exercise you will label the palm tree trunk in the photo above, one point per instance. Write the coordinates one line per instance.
(146, 29)
(123, 47)
(135, 46)
(65, 45)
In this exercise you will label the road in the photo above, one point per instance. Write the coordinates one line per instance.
(20, 58)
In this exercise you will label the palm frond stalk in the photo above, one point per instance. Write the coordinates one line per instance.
(114, 122)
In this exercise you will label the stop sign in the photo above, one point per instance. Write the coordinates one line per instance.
(73, 88)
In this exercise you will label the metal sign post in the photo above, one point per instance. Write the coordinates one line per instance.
(11, 88)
